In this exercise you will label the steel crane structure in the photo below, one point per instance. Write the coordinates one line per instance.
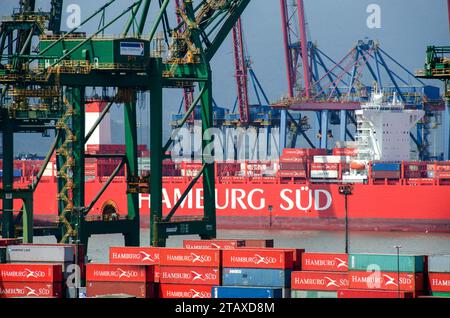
(334, 89)
(45, 90)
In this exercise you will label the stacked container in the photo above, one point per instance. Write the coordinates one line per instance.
(31, 280)
(322, 276)
(401, 275)
(110, 279)
(188, 273)
(324, 170)
(293, 161)
(386, 171)
(439, 275)
(254, 273)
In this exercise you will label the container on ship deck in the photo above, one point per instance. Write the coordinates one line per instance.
(318, 281)
(313, 294)
(387, 262)
(258, 258)
(326, 174)
(36, 289)
(40, 253)
(324, 262)
(192, 257)
(347, 152)
(134, 255)
(331, 159)
(360, 293)
(258, 243)
(439, 282)
(292, 166)
(292, 174)
(386, 167)
(228, 292)
(42, 273)
(120, 273)
(386, 280)
(386, 174)
(324, 167)
(439, 263)
(4, 242)
(184, 291)
(293, 160)
(136, 289)
(212, 244)
(189, 275)
(256, 277)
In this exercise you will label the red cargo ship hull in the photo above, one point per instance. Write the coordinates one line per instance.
(268, 203)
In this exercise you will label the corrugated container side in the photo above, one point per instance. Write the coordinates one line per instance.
(259, 243)
(387, 263)
(385, 167)
(21, 289)
(184, 291)
(211, 244)
(440, 294)
(256, 277)
(439, 282)
(386, 281)
(120, 273)
(324, 262)
(25, 273)
(190, 257)
(40, 253)
(330, 281)
(136, 289)
(190, 275)
(313, 294)
(358, 293)
(4, 242)
(134, 255)
(439, 263)
(226, 292)
(258, 258)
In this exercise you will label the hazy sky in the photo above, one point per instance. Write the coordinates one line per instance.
(407, 27)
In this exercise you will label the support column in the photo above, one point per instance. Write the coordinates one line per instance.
(283, 124)
(343, 126)
(8, 176)
(324, 129)
(209, 196)
(27, 218)
(156, 129)
(131, 143)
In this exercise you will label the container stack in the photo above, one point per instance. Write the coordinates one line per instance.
(439, 275)
(386, 171)
(322, 275)
(188, 273)
(4, 243)
(293, 162)
(110, 279)
(31, 281)
(256, 273)
(385, 276)
(324, 170)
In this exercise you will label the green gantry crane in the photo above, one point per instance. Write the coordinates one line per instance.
(46, 90)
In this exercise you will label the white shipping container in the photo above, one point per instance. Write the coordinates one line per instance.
(324, 174)
(331, 159)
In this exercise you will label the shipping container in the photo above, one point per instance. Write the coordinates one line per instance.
(325, 262)
(324, 167)
(21, 289)
(386, 280)
(256, 277)
(10, 241)
(292, 166)
(119, 273)
(184, 291)
(212, 244)
(136, 289)
(313, 294)
(359, 293)
(293, 161)
(189, 275)
(387, 263)
(347, 152)
(40, 253)
(228, 292)
(319, 281)
(386, 174)
(190, 257)
(134, 255)
(386, 167)
(439, 263)
(324, 174)
(440, 294)
(439, 282)
(292, 174)
(258, 258)
(330, 159)
(42, 273)
(293, 152)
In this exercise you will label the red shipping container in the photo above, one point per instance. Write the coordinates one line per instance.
(385, 281)
(134, 255)
(258, 258)
(156, 273)
(258, 243)
(294, 152)
(10, 241)
(189, 275)
(319, 281)
(356, 293)
(439, 282)
(184, 291)
(119, 273)
(139, 290)
(21, 289)
(345, 152)
(324, 166)
(49, 273)
(212, 244)
(292, 174)
(324, 262)
(292, 160)
(292, 166)
(190, 257)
